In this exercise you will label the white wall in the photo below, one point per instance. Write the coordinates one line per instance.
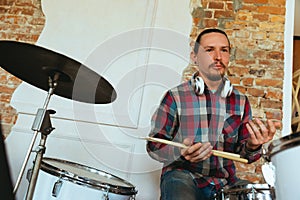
(141, 48)
(288, 62)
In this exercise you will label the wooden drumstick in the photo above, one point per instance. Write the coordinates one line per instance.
(228, 155)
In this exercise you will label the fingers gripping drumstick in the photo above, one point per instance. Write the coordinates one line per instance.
(231, 156)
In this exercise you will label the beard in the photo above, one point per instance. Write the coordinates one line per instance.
(213, 74)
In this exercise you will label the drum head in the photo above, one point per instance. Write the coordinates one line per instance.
(283, 143)
(87, 176)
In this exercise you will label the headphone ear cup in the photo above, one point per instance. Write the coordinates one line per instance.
(227, 89)
(199, 85)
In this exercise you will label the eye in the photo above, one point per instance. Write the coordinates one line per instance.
(209, 49)
(225, 50)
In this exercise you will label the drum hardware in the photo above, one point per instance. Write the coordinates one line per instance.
(105, 194)
(56, 188)
(248, 192)
(268, 169)
(222, 194)
(80, 182)
(57, 74)
(41, 124)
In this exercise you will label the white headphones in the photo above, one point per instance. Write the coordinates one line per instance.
(199, 86)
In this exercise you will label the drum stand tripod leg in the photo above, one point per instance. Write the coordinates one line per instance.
(41, 124)
(39, 153)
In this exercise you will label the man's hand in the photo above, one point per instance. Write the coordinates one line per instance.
(196, 152)
(260, 133)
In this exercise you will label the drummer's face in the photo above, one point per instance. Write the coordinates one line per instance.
(213, 55)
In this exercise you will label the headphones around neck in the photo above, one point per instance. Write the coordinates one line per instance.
(200, 85)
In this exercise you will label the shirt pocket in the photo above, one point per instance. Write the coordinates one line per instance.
(231, 127)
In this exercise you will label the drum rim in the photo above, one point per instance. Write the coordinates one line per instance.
(84, 181)
(257, 187)
(281, 144)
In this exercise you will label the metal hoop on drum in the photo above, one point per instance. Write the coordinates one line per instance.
(69, 180)
(248, 192)
(284, 155)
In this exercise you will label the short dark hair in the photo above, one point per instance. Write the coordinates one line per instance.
(206, 31)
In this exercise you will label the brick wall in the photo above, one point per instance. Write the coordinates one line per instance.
(256, 31)
(20, 20)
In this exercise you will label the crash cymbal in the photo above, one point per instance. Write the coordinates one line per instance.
(35, 65)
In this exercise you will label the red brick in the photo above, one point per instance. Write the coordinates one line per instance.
(275, 55)
(259, 54)
(277, 2)
(253, 101)
(247, 81)
(229, 6)
(261, 17)
(208, 14)
(256, 1)
(216, 5)
(274, 115)
(256, 92)
(6, 90)
(271, 10)
(238, 71)
(222, 14)
(270, 104)
(6, 2)
(241, 88)
(245, 62)
(266, 82)
(249, 7)
(209, 23)
(234, 80)
(274, 94)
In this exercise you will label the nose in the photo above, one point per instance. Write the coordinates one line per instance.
(217, 55)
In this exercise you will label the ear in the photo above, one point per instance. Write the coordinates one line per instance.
(193, 57)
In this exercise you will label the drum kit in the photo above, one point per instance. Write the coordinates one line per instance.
(280, 172)
(58, 74)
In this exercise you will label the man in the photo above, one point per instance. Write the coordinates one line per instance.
(205, 113)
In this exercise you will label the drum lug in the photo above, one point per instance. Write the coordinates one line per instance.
(56, 188)
(28, 175)
(223, 196)
(253, 191)
(105, 195)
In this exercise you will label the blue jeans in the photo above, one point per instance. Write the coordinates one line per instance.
(180, 185)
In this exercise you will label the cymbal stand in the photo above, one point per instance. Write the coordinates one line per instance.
(42, 124)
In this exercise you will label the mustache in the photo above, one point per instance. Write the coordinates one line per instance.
(215, 63)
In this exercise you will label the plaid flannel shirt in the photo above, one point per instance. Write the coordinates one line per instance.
(204, 118)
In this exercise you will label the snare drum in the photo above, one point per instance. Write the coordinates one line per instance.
(284, 154)
(61, 179)
(248, 192)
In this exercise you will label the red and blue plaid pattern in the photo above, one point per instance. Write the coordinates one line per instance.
(204, 118)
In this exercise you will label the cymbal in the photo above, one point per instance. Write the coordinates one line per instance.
(35, 65)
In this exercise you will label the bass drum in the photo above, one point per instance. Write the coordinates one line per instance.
(65, 180)
(284, 155)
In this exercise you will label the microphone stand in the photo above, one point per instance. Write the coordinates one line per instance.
(42, 124)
